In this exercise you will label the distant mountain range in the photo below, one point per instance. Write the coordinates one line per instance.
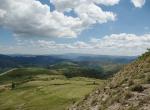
(26, 60)
(45, 60)
(100, 58)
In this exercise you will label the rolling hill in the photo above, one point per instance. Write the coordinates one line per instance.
(42, 89)
(41, 82)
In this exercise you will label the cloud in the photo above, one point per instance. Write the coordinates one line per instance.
(138, 3)
(91, 14)
(115, 44)
(32, 18)
(81, 45)
(123, 40)
(54, 45)
(67, 5)
(107, 2)
(124, 44)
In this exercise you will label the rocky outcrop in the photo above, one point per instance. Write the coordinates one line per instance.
(127, 90)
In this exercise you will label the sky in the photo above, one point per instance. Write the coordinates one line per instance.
(103, 27)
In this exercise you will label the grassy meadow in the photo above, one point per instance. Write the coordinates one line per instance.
(43, 91)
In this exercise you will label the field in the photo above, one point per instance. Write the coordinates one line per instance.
(45, 92)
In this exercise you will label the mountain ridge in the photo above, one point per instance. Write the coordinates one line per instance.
(45, 60)
(129, 89)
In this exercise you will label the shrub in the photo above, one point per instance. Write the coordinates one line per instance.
(148, 79)
(13, 85)
(84, 72)
(128, 95)
(132, 108)
(137, 88)
(130, 82)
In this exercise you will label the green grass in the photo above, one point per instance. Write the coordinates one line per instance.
(22, 74)
(46, 92)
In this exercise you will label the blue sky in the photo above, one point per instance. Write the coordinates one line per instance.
(116, 27)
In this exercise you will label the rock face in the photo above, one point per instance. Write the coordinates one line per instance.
(127, 90)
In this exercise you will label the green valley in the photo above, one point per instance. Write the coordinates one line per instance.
(41, 89)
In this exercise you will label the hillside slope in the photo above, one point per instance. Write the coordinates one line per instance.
(127, 90)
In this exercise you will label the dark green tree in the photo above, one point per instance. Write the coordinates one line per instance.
(13, 85)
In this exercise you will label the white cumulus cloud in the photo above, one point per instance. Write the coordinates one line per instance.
(125, 44)
(67, 5)
(107, 2)
(115, 44)
(91, 14)
(32, 18)
(138, 3)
